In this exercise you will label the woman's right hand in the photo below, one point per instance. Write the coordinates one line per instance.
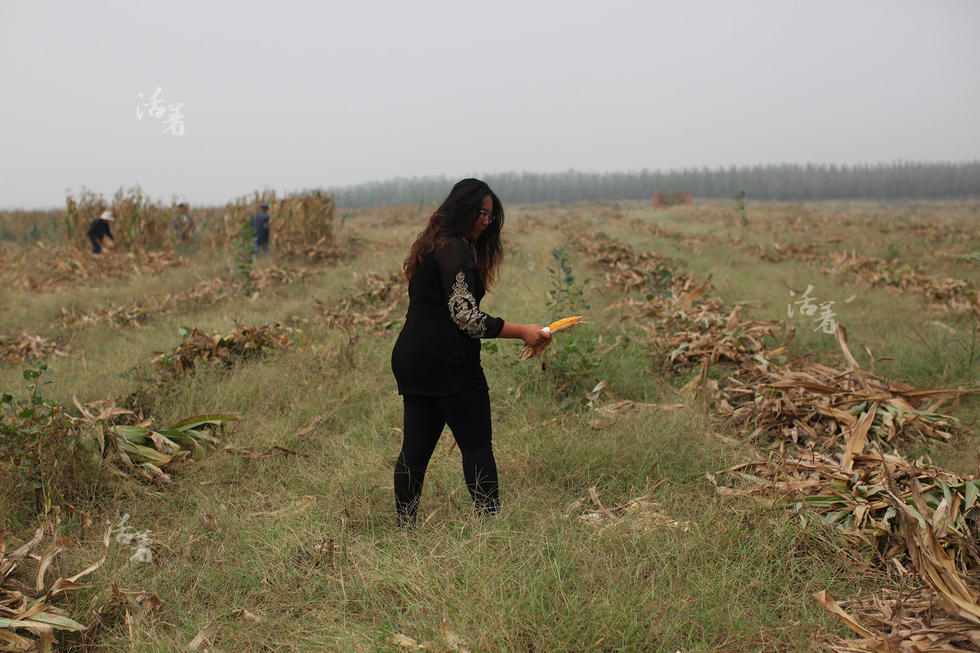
(534, 335)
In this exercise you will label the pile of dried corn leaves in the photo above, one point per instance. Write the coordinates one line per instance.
(953, 294)
(245, 341)
(370, 308)
(28, 348)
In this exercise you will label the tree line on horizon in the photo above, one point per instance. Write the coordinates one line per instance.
(786, 182)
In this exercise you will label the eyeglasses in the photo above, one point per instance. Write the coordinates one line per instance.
(486, 215)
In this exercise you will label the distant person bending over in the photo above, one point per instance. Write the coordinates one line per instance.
(98, 230)
(436, 360)
(183, 224)
(260, 222)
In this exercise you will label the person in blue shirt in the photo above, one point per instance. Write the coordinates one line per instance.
(183, 224)
(260, 222)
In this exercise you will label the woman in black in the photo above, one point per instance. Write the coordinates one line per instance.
(436, 359)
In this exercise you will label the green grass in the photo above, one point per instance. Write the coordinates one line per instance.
(238, 533)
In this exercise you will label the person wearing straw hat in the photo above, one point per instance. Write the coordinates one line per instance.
(98, 230)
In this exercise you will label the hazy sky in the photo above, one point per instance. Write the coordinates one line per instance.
(289, 95)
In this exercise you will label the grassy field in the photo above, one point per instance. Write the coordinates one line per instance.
(282, 537)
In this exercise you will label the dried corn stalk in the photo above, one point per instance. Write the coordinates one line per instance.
(28, 606)
(806, 401)
(904, 622)
(942, 615)
(858, 501)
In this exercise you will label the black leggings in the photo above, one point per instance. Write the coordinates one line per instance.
(468, 414)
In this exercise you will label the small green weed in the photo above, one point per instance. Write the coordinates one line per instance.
(34, 437)
(740, 207)
(575, 358)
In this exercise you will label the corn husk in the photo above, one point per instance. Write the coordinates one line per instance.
(557, 326)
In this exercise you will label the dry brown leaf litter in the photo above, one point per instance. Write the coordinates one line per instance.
(205, 291)
(372, 308)
(24, 347)
(62, 267)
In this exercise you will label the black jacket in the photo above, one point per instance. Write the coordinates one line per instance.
(438, 349)
(99, 229)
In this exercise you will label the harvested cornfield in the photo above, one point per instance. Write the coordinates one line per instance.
(952, 294)
(610, 536)
(776, 252)
(625, 269)
(206, 291)
(827, 426)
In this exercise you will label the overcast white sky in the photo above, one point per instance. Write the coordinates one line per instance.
(290, 95)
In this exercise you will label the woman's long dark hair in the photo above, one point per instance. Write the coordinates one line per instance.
(454, 219)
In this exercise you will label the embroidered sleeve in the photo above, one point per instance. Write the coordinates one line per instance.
(463, 291)
(464, 311)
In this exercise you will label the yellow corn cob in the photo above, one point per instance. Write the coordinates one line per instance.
(558, 325)
(564, 323)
